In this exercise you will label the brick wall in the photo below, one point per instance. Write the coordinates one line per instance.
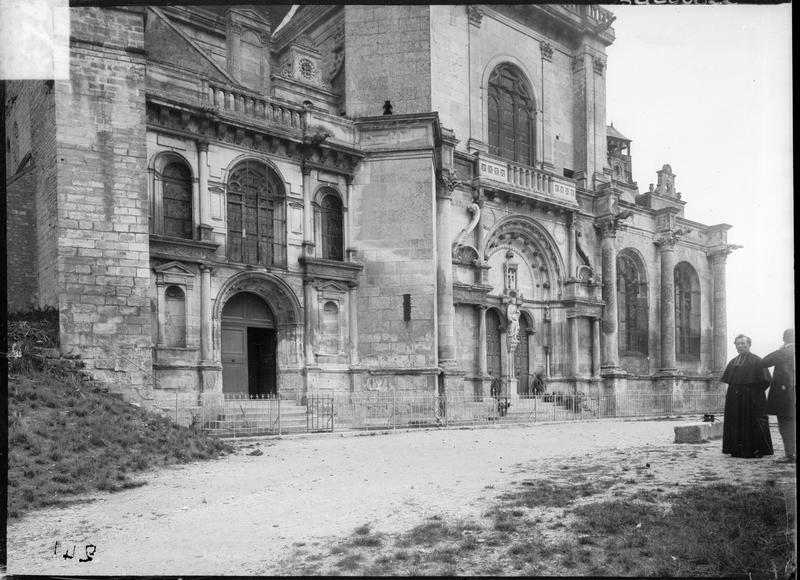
(104, 273)
(388, 58)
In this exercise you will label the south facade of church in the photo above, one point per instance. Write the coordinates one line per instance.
(357, 197)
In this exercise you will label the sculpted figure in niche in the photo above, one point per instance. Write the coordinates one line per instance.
(513, 314)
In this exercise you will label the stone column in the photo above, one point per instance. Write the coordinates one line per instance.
(573, 346)
(205, 200)
(444, 272)
(596, 347)
(608, 233)
(719, 320)
(667, 246)
(206, 353)
(531, 352)
(547, 361)
(505, 373)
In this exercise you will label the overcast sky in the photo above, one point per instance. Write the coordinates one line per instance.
(707, 89)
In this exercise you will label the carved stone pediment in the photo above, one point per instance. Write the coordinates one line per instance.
(329, 287)
(173, 269)
(174, 273)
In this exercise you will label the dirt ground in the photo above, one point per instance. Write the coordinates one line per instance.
(242, 514)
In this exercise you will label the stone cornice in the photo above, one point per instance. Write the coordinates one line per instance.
(208, 123)
(318, 271)
(722, 252)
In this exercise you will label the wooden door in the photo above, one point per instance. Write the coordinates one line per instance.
(493, 344)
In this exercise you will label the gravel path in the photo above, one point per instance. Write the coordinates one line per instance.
(242, 514)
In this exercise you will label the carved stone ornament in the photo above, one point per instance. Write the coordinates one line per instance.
(448, 179)
(547, 50)
(316, 135)
(599, 65)
(669, 239)
(475, 15)
(609, 225)
(723, 252)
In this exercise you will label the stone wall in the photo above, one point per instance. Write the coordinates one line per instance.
(388, 58)
(21, 281)
(104, 273)
(393, 230)
(31, 203)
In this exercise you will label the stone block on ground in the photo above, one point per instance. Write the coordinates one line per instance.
(698, 432)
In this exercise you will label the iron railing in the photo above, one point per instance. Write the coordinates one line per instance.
(246, 416)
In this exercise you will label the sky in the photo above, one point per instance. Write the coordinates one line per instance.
(708, 90)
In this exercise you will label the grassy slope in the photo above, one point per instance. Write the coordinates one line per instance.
(67, 438)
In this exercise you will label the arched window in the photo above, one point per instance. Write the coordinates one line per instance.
(175, 317)
(171, 207)
(632, 307)
(177, 200)
(256, 216)
(687, 312)
(330, 227)
(511, 115)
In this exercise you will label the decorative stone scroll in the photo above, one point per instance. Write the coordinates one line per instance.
(475, 209)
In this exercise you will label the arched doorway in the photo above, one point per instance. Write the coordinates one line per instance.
(493, 366)
(521, 362)
(248, 346)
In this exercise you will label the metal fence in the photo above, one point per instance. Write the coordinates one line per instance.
(245, 416)
(235, 415)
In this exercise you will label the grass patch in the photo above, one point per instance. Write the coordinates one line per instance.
(544, 493)
(68, 437)
(715, 530)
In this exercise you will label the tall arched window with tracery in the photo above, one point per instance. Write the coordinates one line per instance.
(632, 307)
(329, 226)
(511, 115)
(687, 312)
(256, 215)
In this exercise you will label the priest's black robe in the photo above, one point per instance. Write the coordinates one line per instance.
(745, 432)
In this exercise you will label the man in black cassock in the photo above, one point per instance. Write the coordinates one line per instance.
(745, 432)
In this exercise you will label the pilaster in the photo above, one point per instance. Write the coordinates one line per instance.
(205, 201)
(719, 322)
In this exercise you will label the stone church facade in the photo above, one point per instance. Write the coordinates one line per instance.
(364, 197)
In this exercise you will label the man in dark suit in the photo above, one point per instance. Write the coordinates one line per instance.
(781, 401)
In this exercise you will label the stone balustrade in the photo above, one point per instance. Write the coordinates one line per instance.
(248, 105)
(526, 178)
